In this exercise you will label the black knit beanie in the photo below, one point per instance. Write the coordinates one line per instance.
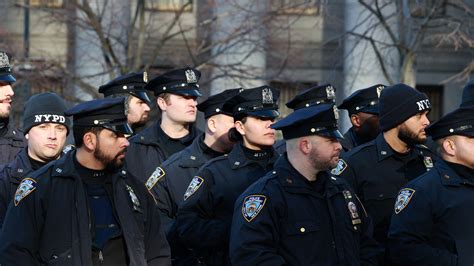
(42, 108)
(399, 102)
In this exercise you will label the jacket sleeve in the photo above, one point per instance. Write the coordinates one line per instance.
(410, 231)
(369, 247)
(255, 242)
(5, 195)
(157, 249)
(21, 230)
(196, 223)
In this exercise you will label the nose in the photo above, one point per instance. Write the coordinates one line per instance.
(8, 90)
(126, 143)
(146, 108)
(52, 133)
(338, 146)
(426, 120)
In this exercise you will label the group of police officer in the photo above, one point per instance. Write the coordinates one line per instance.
(171, 194)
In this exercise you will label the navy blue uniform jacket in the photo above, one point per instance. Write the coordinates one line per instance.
(434, 226)
(51, 225)
(282, 220)
(11, 144)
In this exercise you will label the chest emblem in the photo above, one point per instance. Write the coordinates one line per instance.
(154, 178)
(252, 206)
(341, 166)
(403, 198)
(193, 186)
(25, 188)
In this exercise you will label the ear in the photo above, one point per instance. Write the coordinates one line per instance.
(305, 146)
(239, 126)
(449, 147)
(161, 103)
(90, 141)
(355, 120)
(211, 124)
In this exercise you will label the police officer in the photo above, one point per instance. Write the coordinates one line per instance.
(168, 183)
(46, 128)
(176, 93)
(204, 218)
(363, 109)
(11, 140)
(468, 94)
(81, 209)
(299, 214)
(132, 87)
(307, 98)
(379, 168)
(432, 223)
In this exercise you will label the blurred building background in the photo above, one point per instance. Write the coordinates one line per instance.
(73, 46)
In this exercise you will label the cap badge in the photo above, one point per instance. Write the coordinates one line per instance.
(145, 77)
(267, 96)
(4, 60)
(190, 76)
(330, 93)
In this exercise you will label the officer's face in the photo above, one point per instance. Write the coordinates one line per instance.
(221, 124)
(369, 126)
(412, 131)
(46, 141)
(463, 150)
(138, 112)
(256, 132)
(179, 109)
(324, 152)
(6, 96)
(110, 149)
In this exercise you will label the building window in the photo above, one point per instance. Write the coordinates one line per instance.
(44, 3)
(296, 7)
(169, 5)
(435, 94)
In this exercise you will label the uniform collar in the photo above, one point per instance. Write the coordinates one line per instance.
(294, 182)
(193, 155)
(237, 157)
(21, 165)
(64, 167)
(449, 177)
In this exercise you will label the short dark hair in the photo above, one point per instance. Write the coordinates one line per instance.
(79, 132)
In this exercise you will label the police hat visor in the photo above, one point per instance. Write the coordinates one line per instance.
(371, 109)
(268, 113)
(142, 95)
(331, 133)
(7, 78)
(123, 128)
(191, 92)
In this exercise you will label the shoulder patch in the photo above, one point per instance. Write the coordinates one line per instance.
(154, 178)
(193, 186)
(341, 166)
(252, 206)
(403, 198)
(25, 188)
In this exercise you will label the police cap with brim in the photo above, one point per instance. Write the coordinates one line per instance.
(5, 69)
(179, 81)
(363, 100)
(313, 96)
(132, 83)
(214, 104)
(260, 102)
(318, 120)
(458, 122)
(108, 113)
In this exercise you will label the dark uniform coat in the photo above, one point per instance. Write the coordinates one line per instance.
(148, 149)
(10, 177)
(280, 146)
(11, 144)
(50, 224)
(205, 216)
(350, 140)
(433, 220)
(283, 220)
(377, 173)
